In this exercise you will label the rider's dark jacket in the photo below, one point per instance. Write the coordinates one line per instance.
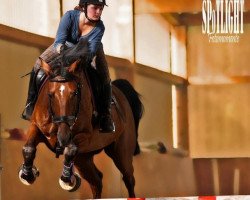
(68, 32)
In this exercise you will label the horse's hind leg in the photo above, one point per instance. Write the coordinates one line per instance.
(129, 181)
(90, 173)
(123, 161)
(27, 172)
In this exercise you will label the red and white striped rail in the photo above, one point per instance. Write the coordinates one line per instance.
(233, 197)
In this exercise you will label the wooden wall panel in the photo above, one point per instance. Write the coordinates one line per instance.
(208, 60)
(219, 120)
(227, 176)
(218, 96)
(156, 123)
(15, 60)
(204, 177)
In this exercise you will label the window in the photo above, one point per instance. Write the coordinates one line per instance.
(152, 36)
(37, 16)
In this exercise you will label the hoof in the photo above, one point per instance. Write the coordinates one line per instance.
(73, 185)
(28, 178)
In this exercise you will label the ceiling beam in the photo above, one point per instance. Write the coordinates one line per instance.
(189, 19)
(218, 80)
(173, 6)
(23, 37)
(159, 75)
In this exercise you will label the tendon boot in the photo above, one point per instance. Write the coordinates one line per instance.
(106, 123)
(35, 83)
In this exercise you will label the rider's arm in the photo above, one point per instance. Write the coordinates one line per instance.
(62, 31)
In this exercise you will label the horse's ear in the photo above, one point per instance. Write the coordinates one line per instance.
(45, 66)
(73, 66)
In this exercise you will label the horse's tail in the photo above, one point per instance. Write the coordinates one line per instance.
(135, 103)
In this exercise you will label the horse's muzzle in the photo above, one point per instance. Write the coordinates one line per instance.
(64, 135)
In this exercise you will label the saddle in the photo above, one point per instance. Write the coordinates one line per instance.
(41, 78)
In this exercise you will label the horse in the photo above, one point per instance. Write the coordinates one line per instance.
(65, 118)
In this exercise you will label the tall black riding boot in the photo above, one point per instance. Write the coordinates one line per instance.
(31, 97)
(36, 79)
(106, 123)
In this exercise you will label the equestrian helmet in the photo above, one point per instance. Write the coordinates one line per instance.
(96, 2)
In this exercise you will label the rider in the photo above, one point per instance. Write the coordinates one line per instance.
(82, 22)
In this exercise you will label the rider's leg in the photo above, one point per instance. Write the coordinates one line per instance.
(106, 122)
(32, 93)
(37, 77)
(36, 80)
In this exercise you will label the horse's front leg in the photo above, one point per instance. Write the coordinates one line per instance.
(28, 172)
(69, 180)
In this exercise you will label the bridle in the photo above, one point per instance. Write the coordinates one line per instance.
(70, 120)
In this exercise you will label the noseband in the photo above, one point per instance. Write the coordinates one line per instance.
(70, 120)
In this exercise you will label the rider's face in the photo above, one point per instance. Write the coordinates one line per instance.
(94, 11)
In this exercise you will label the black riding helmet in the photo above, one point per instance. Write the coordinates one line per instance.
(84, 3)
(98, 2)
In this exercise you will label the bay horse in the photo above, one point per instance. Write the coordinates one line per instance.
(65, 119)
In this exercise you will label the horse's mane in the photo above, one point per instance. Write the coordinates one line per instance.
(68, 56)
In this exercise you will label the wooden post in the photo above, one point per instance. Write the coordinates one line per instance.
(0, 159)
(61, 8)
